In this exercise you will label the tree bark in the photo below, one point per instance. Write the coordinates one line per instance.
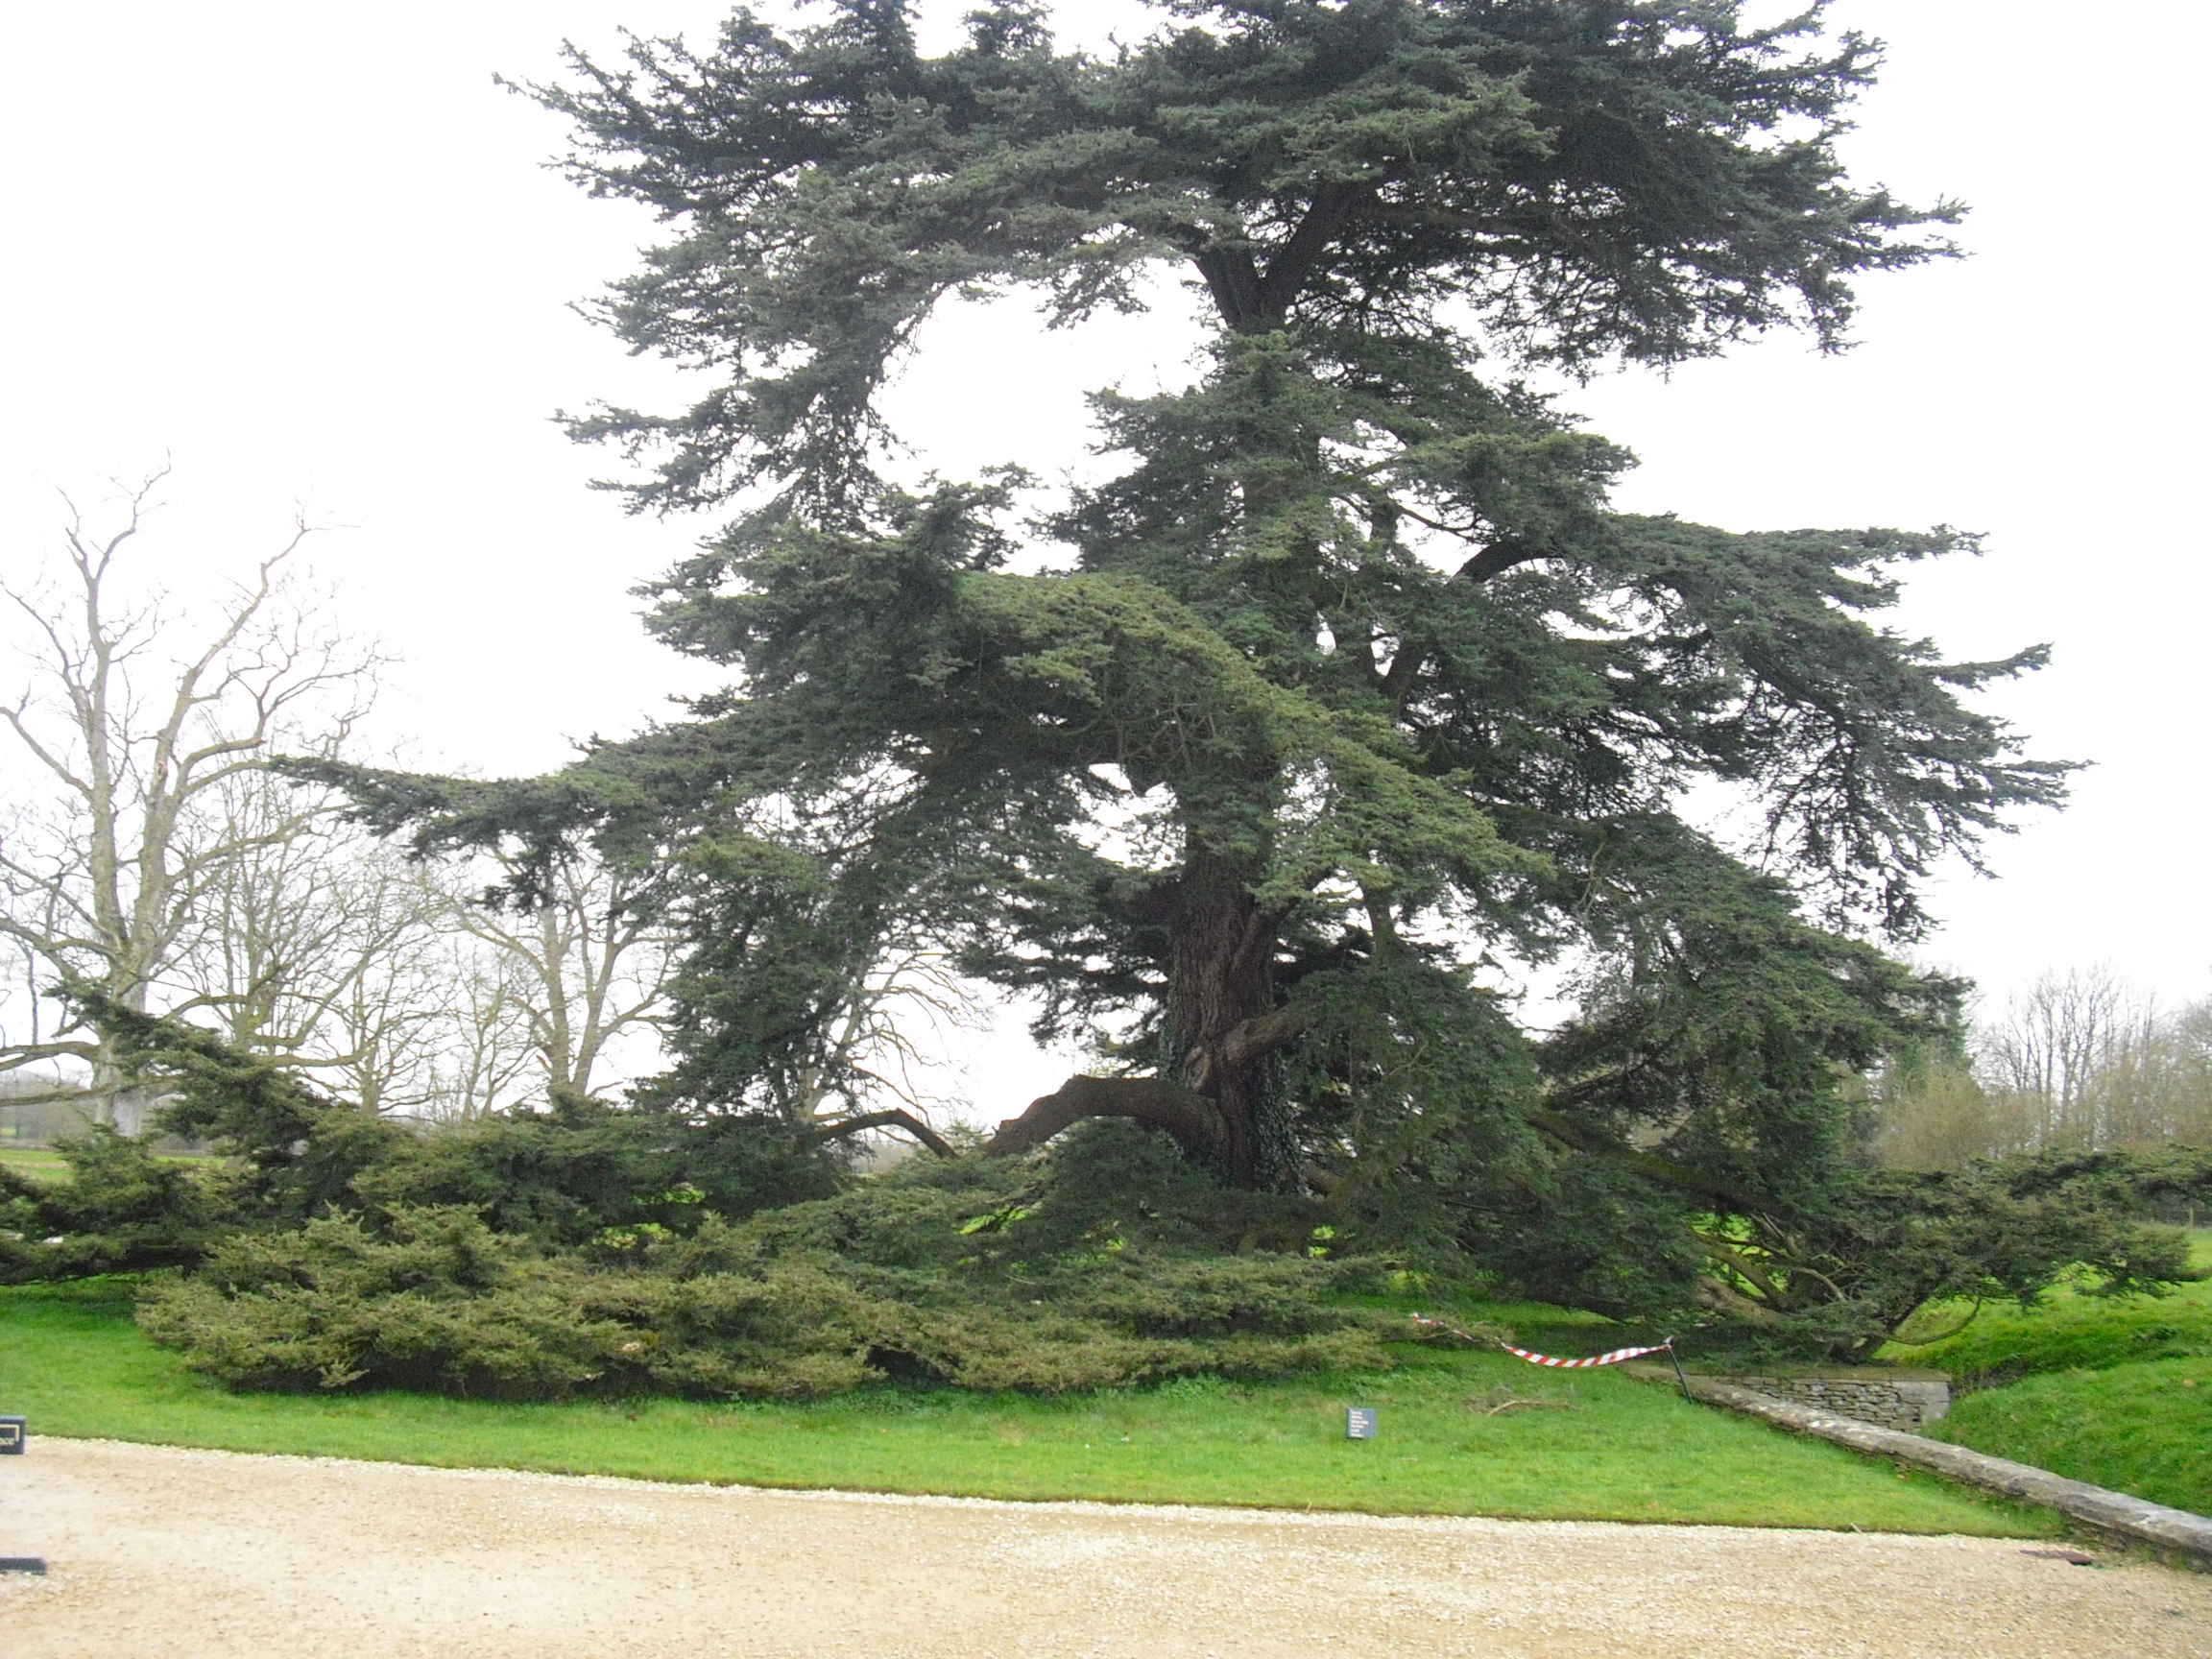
(1190, 1117)
(1218, 1092)
(1219, 1089)
(1220, 978)
(1243, 294)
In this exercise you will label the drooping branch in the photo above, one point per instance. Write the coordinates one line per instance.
(1183, 1113)
(893, 1118)
(1710, 1292)
(1650, 1165)
(1712, 1289)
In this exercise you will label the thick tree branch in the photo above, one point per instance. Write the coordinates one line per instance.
(1294, 261)
(1234, 282)
(1264, 1033)
(892, 1117)
(1183, 1113)
(1664, 1171)
(1499, 557)
(1722, 1298)
(1243, 294)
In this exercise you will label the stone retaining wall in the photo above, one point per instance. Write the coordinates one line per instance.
(2175, 1531)
(1891, 1402)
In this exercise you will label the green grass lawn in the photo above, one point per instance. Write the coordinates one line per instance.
(2117, 1392)
(2070, 1332)
(2145, 1429)
(36, 1162)
(44, 1164)
(72, 1362)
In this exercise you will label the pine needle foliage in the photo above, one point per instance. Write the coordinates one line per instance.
(1349, 681)
(1091, 1274)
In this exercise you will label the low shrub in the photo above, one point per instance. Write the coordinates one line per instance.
(124, 1209)
(440, 1302)
(1098, 1271)
(290, 1152)
(567, 1175)
(963, 1266)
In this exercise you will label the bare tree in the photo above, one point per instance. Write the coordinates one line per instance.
(586, 967)
(131, 722)
(332, 952)
(2188, 1115)
(1937, 1116)
(486, 1059)
(157, 857)
(327, 951)
(2079, 1059)
(2072, 1057)
(868, 1062)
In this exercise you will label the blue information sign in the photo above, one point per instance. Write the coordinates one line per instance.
(1359, 1422)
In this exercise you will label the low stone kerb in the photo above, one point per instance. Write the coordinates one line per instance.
(2115, 1512)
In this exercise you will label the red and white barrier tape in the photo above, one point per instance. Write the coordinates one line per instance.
(1613, 1358)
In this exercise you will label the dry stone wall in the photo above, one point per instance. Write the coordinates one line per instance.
(1898, 1403)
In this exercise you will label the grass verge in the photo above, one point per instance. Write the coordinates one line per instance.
(45, 1164)
(34, 1161)
(2144, 1429)
(72, 1362)
(2069, 1331)
(2114, 1391)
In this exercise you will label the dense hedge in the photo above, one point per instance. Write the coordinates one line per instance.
(1083, 1272)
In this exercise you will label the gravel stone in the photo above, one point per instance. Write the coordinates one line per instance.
(156, 1551)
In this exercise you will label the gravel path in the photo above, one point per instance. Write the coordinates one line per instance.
(156, 1551)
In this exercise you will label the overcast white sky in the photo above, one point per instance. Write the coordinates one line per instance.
(309, 252)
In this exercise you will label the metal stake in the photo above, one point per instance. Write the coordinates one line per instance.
(1669, 1345)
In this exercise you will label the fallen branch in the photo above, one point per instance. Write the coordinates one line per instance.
(1501, 1399)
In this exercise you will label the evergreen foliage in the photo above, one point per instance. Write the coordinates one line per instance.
(284, 1155)
(979, 1274)
(123, 1209)
(1349, 681)
(601, 1250)
(2000, 1346)
(1352, 652)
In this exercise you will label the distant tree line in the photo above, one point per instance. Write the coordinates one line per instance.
(2079, 1061)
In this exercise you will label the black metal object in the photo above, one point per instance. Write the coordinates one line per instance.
(1359, 1422)
(1669, 1345)
(11, 1438)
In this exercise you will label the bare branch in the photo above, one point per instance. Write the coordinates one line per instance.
(893, 1118)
